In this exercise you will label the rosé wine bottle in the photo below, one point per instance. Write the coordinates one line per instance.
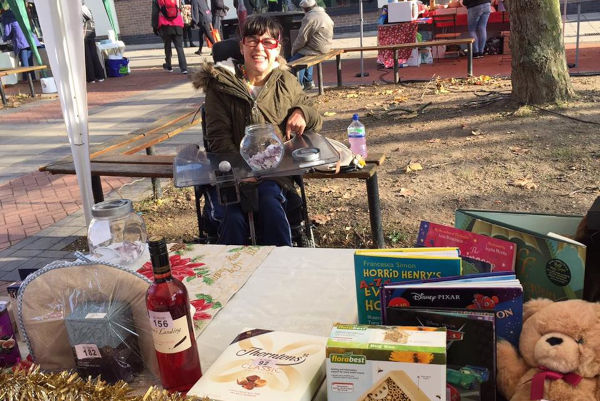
(172, 331)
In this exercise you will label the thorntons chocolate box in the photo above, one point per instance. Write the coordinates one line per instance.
(367, 363)
(265, 365)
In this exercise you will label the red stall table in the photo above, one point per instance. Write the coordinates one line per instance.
(497, 22)
(393, 34)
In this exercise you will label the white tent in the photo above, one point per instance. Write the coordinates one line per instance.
(62, 26)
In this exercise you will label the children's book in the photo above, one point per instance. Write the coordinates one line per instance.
(480, 253)
(549, 264)
(503, 296)
(471, 346)
(374, 267)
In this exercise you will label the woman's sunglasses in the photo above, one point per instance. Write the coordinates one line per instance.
(268, 43)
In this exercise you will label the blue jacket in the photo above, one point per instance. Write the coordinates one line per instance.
(13, 32)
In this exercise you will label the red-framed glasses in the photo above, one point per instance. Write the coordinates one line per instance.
(268, 43)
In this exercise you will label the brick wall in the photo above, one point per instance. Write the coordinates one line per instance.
(135, 21)
(135, 18)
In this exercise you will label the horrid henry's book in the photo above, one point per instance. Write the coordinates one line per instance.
(374, 267)
(504, 297)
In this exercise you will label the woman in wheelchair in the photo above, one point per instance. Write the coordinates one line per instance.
(259, 89)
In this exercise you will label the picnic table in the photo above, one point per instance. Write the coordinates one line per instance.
(19, 70)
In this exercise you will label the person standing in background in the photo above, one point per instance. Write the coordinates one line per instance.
(186, 14)
(219, 10)
(202, 17)
(314, 37)
(93, 68)
(242, 12)
(12, 32)
(167, 22)
(478, 12)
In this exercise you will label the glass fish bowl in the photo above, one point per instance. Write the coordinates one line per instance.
(261, 148)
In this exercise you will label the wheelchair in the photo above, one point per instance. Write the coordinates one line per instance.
(296, 205)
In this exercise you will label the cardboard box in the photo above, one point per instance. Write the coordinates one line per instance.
(549, 264)
(386, 362)
(264, 365)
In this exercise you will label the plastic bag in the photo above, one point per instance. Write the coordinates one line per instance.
(90, 317)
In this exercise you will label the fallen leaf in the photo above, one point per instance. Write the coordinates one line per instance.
(349, 95)
(321, 218)
(434, 140)
(413, 167)
(406, 192)
(476, 132)
(525, 183)
(329, 113)
(348, 228)
(518, 150)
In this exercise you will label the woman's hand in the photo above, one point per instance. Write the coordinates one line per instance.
(296, 123)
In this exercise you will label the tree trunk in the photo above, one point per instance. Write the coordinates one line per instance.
(539, 66)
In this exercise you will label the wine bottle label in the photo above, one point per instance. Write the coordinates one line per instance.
(87, 351)
(170, 335)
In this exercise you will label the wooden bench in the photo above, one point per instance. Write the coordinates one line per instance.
(396, 47)
(118, 157)
(19, 70)
(317, 59)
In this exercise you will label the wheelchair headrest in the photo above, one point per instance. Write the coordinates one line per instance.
(225, 49)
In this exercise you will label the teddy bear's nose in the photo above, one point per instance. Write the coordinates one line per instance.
(554, 341)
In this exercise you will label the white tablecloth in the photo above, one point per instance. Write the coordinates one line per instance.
(301, 290)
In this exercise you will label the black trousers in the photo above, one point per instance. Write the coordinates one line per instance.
(204, 30)
(93, 67)
(187, 35)
(173, 34)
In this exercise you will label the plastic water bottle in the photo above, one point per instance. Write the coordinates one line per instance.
(357, 136)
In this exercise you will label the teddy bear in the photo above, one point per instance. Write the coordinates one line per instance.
(559, 353)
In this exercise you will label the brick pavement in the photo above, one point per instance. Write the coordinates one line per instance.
(47, 108)
(35, 201)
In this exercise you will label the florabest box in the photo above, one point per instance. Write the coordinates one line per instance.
(367, 363)
(264, 365)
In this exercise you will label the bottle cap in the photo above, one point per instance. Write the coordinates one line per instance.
(159, 255)
(355, 117)
(112, 208)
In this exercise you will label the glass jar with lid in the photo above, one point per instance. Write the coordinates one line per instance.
(261, 148)
(116, 233)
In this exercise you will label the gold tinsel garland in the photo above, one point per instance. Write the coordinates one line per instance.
(34, 385)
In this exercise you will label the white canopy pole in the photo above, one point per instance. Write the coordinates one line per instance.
(62, 28)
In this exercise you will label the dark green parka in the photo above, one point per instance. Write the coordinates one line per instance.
(230, 107)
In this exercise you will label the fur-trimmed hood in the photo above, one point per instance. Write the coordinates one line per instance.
(209, 71)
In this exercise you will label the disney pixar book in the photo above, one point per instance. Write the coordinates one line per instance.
(503, 295)
(374, 267)
(471, 347)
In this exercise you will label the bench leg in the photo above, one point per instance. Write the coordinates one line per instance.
(338, 63)
(202, 236)
(4, 102)
(320, 73)
(396, 74)
(375, 211)
(30, 85)
(470, 61)
(156, 189)
(97, 189)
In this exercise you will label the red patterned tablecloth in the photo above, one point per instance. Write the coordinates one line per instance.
(392, 34)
